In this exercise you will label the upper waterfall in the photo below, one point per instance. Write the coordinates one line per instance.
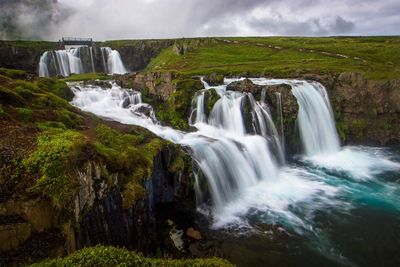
(80, 60)
(315, 118)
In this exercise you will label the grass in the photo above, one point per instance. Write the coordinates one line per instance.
(32, 44)
(111, 256)
(86, 77)
(377, 57)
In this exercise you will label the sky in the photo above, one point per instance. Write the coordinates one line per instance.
(138, 19)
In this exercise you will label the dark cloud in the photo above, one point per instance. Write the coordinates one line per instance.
(105, 19)
(29, 19)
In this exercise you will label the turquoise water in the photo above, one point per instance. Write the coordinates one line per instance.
(349, 214)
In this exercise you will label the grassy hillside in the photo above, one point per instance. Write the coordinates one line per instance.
(376, 57)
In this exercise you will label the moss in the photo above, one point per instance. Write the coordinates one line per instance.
(157, 81)
(2, 112)
(211, 97)
(51, 125)
(342, 129)
(13, 74)
(53, 162)
(132, 192)
(127, 155)
(24, 114)
(110, 256)
(359, 126)
(10, 97)
(69, 119)
(59, 88)
(177, 107)
(86, 77)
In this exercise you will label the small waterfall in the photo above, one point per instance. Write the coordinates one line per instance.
(280, 116)
(198, 114)
(316, 123)
(114, 63)
(80, 60)
(43, 69)
(92, 59)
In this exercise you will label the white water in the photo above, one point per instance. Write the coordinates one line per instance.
(67, 62)
(243, 162)
(114, 62)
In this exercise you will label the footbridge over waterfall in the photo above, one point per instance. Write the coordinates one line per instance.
(75, 42)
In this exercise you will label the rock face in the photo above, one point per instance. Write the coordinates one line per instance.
(22, 57)
(103, 220)
(13, 233)
(137, 55)
(245, 86)
(155, 83)
(366, 112)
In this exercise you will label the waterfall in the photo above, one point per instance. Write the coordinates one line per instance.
(239, 152)
(113, 59)
(43, 69)
(80, 60)
(316, 123)
(280, 115)
(91, 59)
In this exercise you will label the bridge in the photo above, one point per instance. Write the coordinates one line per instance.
(72, 41)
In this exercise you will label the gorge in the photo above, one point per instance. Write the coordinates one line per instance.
(302, 169)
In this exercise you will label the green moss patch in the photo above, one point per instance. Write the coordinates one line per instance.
(53, 162)
(110, 256)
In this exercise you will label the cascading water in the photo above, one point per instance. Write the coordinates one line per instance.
(316, 123)
(113, 60)
(80, 60)
(239, 152)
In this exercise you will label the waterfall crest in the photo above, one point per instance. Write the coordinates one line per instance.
(316, 123)
(80, 60)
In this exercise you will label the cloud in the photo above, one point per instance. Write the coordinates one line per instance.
(122, 19)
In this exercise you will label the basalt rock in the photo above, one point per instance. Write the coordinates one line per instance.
(246, 86)
(214, 79)
(366, 111)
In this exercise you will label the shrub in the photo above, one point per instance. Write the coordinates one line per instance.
(110, 256)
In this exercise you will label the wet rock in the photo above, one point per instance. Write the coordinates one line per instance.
(39, 213)
(214, 79)
(194, 234)
(14, 234)
(246, 86)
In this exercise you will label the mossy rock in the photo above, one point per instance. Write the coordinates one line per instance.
(102, 256)
(214, 79)
(210, 98)
(54, 162)
(59, 88)
(11, 98)
(13, 74)
(176, 110)
(24, 114)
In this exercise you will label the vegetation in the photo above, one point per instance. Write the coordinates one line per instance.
(86, 77)
(54, 160)
(111, 256)
(376, 57)
(130, 156)
(176, 109)
(64, 141)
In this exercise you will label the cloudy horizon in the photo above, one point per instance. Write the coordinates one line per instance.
(144, 19)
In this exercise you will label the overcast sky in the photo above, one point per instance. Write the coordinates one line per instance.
(127, 19)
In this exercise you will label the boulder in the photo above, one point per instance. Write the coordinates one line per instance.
(246, 86)
(194, 234)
